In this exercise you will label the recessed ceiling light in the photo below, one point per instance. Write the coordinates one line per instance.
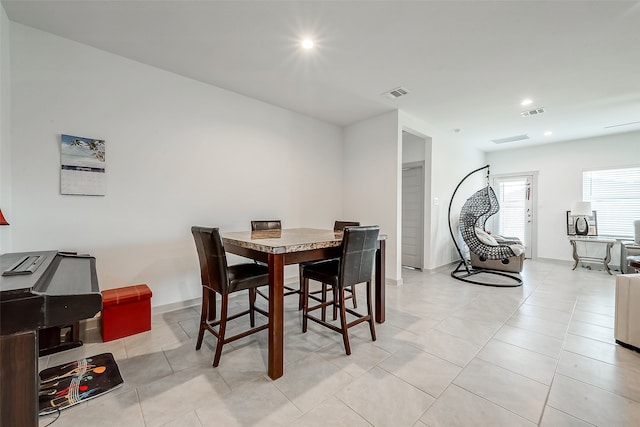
(548, 133)
(526, 101)
(307, 43)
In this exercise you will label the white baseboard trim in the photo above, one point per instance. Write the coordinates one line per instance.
(195, 302)
(88, 324)
(393, 282)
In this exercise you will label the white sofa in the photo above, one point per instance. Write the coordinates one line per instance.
(627, 327)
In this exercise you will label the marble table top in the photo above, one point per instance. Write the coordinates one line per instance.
(286, 240)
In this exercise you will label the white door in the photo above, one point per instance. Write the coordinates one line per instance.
(413, 215)
(515, 218)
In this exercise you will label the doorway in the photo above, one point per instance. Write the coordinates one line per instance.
(413, 215)
(516, 215)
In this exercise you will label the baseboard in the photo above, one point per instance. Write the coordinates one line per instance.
(195, 302)
(88, 324)
(393, 282)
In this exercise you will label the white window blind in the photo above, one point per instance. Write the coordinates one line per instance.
(615, 196)
(512, 199)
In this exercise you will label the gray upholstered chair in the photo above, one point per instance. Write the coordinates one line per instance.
(630, 249)
(354, 267)
(338, 226)
(274, 224)
(219, 278)
(271, 224)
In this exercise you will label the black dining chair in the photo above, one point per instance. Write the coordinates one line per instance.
(338, 226)
(355, 266)
(273, 224)
(219, 278)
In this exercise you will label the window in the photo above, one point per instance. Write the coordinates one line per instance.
(615, 196)
(513, 195)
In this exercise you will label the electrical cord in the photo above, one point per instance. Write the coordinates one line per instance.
(55, 419)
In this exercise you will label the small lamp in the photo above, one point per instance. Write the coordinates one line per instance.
(2, 220)
(581, 210)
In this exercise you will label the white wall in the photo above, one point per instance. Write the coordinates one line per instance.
(372, 185)
(560, 167)
(413, 148)
(449, 163)
(178, 153)
(5, 154)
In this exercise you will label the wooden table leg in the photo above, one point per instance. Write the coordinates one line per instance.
(276, 316)
(380, 282)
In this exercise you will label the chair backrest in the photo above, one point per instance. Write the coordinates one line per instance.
(636, 229)
(213, 259)
(273, 224)
(340, 225)
(358, 254)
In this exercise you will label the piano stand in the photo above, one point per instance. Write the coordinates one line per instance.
(61, 291)
(20, 383)
(59, 338)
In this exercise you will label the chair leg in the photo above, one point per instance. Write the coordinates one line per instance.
(211, 307)
(301, 297)
(204, 313)
(221, 329)
(372, 327)
(343, 322)
(335, 306)
(305, 305)
(323, 315)
(353, 296)
(252, 305)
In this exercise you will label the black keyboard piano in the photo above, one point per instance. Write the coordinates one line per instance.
(37, 290)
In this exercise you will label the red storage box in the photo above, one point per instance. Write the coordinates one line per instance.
(125, 311)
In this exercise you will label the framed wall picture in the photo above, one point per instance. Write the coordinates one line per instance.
(82, 166)
(592, 221)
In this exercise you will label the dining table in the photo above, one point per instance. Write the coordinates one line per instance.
(278, 248)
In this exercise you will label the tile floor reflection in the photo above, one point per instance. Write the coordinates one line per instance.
(449, 354)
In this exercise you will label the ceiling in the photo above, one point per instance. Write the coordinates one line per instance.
(467, 65)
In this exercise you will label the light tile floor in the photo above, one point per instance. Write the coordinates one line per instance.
(449, 354)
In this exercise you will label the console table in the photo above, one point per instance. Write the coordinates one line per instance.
(599, 240)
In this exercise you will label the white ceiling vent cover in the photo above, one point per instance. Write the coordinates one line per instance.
(533, 112)
(396, 93)
(510, 139)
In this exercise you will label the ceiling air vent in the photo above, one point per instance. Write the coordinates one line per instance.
(510, 139)
(396, 93)
(533, 112)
